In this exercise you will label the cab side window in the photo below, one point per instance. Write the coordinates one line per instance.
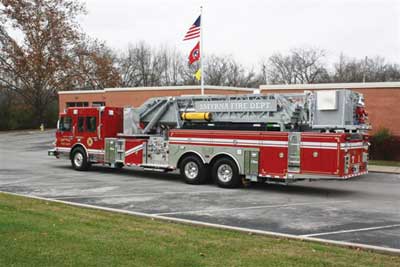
(81, 124)
(91, 124)
(65, 124)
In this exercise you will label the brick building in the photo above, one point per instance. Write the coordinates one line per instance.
(122, 97)
(382, 99)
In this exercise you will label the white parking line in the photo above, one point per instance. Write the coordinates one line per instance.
(139, 194)
(353, 230)
(253, 207)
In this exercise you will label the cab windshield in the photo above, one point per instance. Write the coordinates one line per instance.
(65, 124)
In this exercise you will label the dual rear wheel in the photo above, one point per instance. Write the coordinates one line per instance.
(223, 171)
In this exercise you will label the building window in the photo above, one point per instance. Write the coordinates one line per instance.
(77, 104)
(98, 104)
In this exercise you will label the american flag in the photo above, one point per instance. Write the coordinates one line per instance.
(194, 30)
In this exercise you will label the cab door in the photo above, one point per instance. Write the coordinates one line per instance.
(65, 131)
(88, 130)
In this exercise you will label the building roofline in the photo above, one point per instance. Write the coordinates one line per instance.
(81, 92)
(331, 86)
(161, 88)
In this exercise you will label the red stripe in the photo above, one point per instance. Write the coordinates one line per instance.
(190, 38)
(191, 34)
(194, 29)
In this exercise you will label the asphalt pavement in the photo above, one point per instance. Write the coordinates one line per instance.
(363, 210)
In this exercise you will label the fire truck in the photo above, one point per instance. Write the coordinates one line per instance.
(235, 139)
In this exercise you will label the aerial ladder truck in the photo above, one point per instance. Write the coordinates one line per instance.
(231, 139)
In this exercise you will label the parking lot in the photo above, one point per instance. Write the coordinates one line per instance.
(363, 210)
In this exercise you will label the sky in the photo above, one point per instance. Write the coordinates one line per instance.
(252, 30)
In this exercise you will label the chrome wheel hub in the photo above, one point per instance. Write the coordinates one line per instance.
(225, 173)
(78, 159)
(191, 170)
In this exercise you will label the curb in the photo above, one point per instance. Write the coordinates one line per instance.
(383, 170)
(391, 251)
(388, 172)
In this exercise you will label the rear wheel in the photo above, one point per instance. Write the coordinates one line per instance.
(225, 173)
(119, 165)
(193, 171)
(79, 159)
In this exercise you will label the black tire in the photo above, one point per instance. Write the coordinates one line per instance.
(118, 165)
(79, 159)
(193, 171)
(225, 173)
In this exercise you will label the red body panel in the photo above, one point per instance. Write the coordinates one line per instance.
(271, 163)
(320, 153)
(134, 151)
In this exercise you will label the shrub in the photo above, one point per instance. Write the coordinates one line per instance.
(384, 145)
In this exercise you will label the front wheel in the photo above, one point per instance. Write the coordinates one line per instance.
(225, 173)
(193, 171)
(79, 160)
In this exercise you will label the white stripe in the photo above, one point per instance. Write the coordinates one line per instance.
(352, 145)
(96, 151)
(318, 147)
(226, 144)
(229, 141)
(255, 207)
(354, 230)
(140, 194)
(358, 147)
(64, 149)
(93, 151)
(319, 144)
(133, 150)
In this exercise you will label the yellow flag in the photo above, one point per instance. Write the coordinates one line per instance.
(198, 74)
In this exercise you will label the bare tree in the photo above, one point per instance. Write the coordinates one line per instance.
(141, 66)
(35, 65)
(309, 65)
(301, 65)
(225, 70)
(95, 66)
(280, 69)
(368, 70)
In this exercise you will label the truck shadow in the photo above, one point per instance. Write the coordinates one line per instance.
(129, 172)
(298, 189)
(174, 177)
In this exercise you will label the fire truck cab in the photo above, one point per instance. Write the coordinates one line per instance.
(81, 133)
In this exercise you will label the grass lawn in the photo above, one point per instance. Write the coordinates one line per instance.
(384, 163)
(40, 233)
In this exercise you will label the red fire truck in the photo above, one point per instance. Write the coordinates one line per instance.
(273, 138)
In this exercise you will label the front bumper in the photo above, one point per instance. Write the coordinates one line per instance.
(53, 153)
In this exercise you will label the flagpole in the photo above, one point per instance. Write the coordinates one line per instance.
(201, 51)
